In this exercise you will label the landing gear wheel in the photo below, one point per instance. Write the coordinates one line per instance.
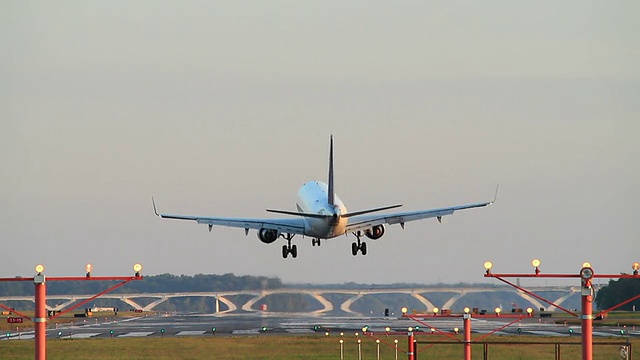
(363, 248)
(354, 249)
(288, 249)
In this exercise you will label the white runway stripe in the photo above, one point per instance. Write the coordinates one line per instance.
(80, 336)
(191, 333)
(136, 334)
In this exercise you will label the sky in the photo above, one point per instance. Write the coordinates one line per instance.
(224, 108)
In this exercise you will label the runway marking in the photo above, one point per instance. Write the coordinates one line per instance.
(300, 331)
(547, 333)
(21, 337)
(80, 336)
(191, 333)
(137, 334)
(245, 332)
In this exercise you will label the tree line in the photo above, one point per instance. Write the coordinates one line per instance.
(164, 283)
(618, 291)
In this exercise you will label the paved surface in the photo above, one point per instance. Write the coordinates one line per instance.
(251, 325)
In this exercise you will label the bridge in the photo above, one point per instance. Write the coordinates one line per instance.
(421, 294)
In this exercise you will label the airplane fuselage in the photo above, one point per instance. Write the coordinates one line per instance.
(312, 199)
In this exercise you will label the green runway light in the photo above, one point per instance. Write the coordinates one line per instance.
(59, 333)
(213, 330)
(264, 329)
(519, 331)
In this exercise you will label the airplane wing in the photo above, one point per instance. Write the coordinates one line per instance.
(363, 222)
(288, 225)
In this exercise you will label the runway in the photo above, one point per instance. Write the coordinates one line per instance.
(159, 325)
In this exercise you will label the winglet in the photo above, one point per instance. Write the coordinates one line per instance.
(154, 206)
(495, 197)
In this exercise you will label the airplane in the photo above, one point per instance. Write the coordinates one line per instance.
(322, 215)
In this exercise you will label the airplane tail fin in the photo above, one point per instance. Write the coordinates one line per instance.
(331, 193)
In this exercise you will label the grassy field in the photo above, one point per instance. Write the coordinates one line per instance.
(294, 347)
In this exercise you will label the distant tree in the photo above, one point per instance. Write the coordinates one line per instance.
(618, 291)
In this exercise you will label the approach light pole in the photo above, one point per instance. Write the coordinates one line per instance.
(40, 299)
(40, 318)
(586, 275)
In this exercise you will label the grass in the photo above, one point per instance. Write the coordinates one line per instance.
(295, 347)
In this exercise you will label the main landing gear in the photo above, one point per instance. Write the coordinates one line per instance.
(315, 241)
(289, 249)
(360, 245)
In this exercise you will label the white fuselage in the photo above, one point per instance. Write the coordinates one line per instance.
(312, 199)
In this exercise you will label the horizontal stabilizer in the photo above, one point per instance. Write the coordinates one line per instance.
(317, 216)
(361, 212)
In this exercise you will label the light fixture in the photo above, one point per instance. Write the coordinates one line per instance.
(88, 268)
(497, 310)
(488, 265)
(586, 264)
(410, 329)
(635, 266)
(137, 268)
(387, 329)
(39, 268)
(536, 263)
(456, 330)
(529, 311)
(586, 273)
(404, 310)
(435, 311)
(466, 310)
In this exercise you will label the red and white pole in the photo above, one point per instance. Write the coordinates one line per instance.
(587, 325)
(586, 273)
(410, 346)
(466, 320)
(40, 316)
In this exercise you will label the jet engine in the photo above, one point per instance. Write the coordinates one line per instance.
(268, 236)
(375, 232)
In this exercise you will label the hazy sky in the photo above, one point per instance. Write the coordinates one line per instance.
(225, 108)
